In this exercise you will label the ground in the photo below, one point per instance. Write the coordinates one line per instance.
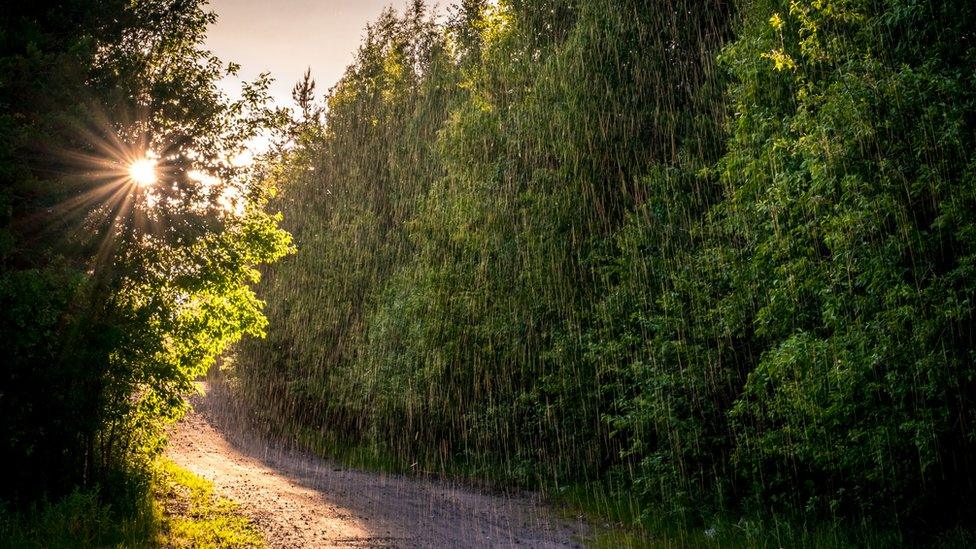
(297, 499)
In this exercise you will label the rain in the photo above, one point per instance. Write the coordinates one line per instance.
(548, 273)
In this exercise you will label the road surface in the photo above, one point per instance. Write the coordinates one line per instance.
(300, 500)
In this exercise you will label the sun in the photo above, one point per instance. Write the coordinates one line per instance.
(142, 171)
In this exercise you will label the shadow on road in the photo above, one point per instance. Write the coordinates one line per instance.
(300, 498)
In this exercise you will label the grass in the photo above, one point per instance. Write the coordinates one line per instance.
(194, 516)
(617, 520)
(79, 520)
(170, 507)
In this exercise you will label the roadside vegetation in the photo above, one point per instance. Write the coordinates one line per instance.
(717, 257)
(172, 508)
(193, 516)
(129, 238)
(705, 270)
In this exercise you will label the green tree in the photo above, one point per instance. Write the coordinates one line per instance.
(850, 187)
(718, 253)
(114, 296)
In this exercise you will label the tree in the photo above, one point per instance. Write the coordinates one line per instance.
(115, 296)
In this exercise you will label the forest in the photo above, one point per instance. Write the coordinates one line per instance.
(696, 265)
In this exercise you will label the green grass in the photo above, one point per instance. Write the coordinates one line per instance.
(79, 520)
(356, 457)
(170, 507)
(194, 516)
(617, 520)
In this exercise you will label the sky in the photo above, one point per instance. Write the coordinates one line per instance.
(284, 37)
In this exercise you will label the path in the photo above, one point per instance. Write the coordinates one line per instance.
(300, 500)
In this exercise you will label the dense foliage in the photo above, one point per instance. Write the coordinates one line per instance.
(723, 254)
(115, 296)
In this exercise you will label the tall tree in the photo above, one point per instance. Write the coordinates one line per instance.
(117, 290)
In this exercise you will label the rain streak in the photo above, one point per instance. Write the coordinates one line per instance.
(554, 273)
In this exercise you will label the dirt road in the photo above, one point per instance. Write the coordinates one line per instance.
(300, 500)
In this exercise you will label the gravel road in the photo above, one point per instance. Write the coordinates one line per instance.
(300, 500)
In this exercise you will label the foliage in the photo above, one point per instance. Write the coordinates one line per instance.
(166, 507)
(193, 516)
(462, 193)
(719, 256)
(115, 296)
(80, 519)
(857, 212)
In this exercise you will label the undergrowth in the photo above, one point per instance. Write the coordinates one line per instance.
(616, 518)
(194, 516)
(171, 507)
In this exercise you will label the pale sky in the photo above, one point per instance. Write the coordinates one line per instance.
(284, 37)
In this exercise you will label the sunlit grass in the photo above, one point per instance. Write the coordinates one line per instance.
(194, 516)
(175, 509)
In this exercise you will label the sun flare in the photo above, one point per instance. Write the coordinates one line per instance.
(143, 171)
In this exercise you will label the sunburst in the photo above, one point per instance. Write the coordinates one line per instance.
(142, 171)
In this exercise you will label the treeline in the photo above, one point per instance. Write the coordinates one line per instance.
(115, 293)
(719, 254)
